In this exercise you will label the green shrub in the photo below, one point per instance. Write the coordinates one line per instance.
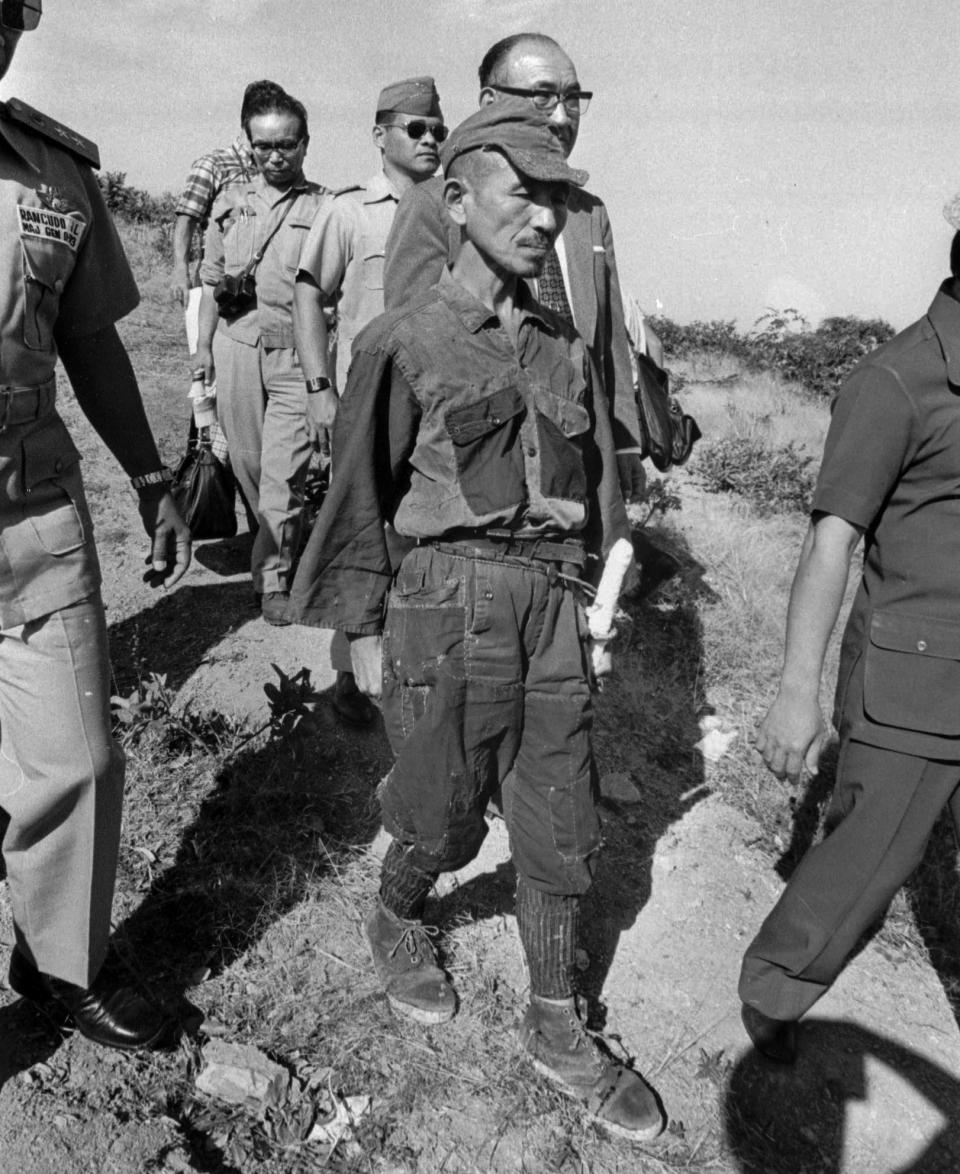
(782, 341)
(773, 480)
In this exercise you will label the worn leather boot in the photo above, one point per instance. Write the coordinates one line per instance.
(114, 1016)
(406, 964)
(553, 1035)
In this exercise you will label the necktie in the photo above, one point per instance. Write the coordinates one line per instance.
(553, 293)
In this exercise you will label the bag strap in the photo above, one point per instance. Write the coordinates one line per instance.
(258, 255)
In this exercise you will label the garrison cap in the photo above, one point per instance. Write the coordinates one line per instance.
(415, 95)
(515, 128)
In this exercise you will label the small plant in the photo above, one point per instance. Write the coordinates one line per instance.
(659, 499)
(773, 480)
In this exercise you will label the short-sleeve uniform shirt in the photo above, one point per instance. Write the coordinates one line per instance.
(242, 219)
(892, 466)
(64, 275)
(344, 254)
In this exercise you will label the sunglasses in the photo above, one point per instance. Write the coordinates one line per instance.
(418, 128)
(281, 146)
(20, 16)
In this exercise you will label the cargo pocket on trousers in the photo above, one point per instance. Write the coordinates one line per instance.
(52, 495)
(486, 444)
(912, 673)
(422, 641)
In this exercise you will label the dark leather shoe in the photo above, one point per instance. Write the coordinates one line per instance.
(350, 704)
(114, 1016)
(774, 1038)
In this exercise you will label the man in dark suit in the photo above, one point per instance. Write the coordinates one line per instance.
(580, 280)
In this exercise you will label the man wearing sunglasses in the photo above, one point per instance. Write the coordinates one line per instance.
(580, 280)
(66, 284)
(341, 269)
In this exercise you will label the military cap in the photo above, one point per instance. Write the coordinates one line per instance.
(515, 128)
(415, 95)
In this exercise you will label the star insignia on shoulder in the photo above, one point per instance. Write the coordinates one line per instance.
(55, 131)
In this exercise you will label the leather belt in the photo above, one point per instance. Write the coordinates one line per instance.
(504, 544)
(22, 405)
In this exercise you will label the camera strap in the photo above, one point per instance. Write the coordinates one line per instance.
(258, 255)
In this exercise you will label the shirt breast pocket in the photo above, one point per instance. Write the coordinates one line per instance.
(561, 423)
(486, 445)
(912, 673)
(46, 270)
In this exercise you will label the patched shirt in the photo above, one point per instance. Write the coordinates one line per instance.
(344, 254)
(242, 219)
(446, 424)
(210, 174)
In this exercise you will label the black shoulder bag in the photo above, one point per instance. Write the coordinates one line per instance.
(668, 433)
(203, 488)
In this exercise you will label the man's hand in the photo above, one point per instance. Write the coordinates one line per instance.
(180, 286)
(171, 541)
(204, 359)
(366, 656)
(792, 736)
(321, 413)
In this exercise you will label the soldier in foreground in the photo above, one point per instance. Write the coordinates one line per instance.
(889, 476)
(61, 781)
(469, 422)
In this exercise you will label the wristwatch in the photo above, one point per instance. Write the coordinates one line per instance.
(162, 476)
(318, 383)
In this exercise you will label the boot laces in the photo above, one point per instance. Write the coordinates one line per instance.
(416, 941)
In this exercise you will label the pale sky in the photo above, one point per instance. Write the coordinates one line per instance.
(751, 153)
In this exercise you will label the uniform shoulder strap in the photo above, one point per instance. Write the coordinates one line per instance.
(351, 187)
(55, 131)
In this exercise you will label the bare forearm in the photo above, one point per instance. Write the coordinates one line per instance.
(815, 601)
(310, 329)
(182, 237)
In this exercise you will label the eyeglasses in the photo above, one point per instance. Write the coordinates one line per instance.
(418, 128)
(20, 16)
(574, 101)
(281, 147)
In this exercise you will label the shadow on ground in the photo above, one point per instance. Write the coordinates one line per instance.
(267, 825)
(795, 1120)
(176, 633)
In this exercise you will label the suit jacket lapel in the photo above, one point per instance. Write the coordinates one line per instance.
(578, 242)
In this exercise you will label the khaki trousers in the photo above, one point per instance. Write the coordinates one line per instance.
(262, 406)
(61, 782)
(882, 812)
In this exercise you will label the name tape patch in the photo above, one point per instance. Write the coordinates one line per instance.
(46, 224)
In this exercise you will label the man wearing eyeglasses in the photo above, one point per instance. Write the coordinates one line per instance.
(66, 283)
(580, 280)
(341, 268)
(255, 236)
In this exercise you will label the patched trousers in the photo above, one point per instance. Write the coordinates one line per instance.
(879, 821)
(61, 783)
(262, 406)
(485, 683)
